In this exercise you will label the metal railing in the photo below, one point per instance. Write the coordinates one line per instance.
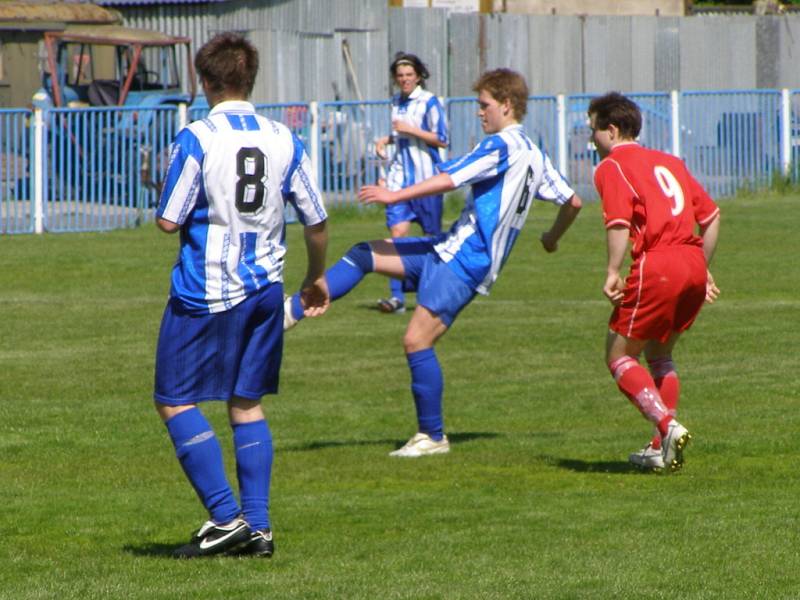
(80, 169)
(92, 163)
(16, 214)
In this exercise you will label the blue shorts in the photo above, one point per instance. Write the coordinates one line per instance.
(216, 356)
(438, 288)
(426, 211)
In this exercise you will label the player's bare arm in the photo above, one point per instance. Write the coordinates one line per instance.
(710, 234)
(314, 294)
(438, 184)
(617, 243)
(167, 226)
(565, 217)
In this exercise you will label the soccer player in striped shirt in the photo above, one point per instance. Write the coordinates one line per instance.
(506, 171)
(226, 187)
(419, 133)
(651, 198)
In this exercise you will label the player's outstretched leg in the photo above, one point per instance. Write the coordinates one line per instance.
(342, 277)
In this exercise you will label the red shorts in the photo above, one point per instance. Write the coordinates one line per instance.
(663, 294)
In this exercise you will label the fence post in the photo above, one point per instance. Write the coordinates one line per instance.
(786, 132)
(183, 115)
(561, 115)
(38, 171)
(675, 99)
(313, 150)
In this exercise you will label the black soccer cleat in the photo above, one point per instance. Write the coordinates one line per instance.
(213, 539)
(258, 545)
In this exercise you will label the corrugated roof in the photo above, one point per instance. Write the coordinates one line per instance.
(113, 34)
(148, 2)
(64, 12)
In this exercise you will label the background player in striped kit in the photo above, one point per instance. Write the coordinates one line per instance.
(506, 171)
(651, 198)
(221, 337)
(420, 133)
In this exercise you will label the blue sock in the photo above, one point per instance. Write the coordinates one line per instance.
(427, 384)
(343, 276)
(396, 289)
(200, 455)
(253, 444)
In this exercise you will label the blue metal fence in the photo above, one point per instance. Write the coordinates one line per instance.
(731, 141)
(16, 214)
(92, 164)
(347, 156)
(89, 161)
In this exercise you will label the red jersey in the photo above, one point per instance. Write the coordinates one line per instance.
(654, 195)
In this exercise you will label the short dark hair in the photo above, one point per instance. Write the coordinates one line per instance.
(228, 63)
(404, 58)
(505, 84)
(618, 110)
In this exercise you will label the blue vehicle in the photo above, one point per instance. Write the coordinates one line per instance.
(113, 66)
(109, 95)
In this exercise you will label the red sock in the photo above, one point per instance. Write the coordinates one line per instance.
(636, 383)
(669, 386)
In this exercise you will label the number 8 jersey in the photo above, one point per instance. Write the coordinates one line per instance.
(654, 195)
(227, 184)
(506, 172)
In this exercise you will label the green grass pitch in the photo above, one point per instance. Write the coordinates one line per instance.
(535, 500)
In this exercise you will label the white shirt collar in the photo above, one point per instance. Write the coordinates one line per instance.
(233, 106)
(414, 93)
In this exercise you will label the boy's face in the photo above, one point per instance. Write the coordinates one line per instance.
(406, 79)
(495, 116)
(603, 139)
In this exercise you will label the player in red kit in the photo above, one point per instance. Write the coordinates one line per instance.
(651, 199)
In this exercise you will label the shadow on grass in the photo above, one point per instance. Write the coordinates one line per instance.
(456, 438)
(599, 466)
(153, 549)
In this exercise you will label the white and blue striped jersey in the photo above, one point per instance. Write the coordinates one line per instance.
(414, 160)
(506, 171)
(227, 184)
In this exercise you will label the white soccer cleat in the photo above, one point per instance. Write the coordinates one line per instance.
(673, 444)
(391, 305)
(422, 445)
(647, 458)
(288, 320)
